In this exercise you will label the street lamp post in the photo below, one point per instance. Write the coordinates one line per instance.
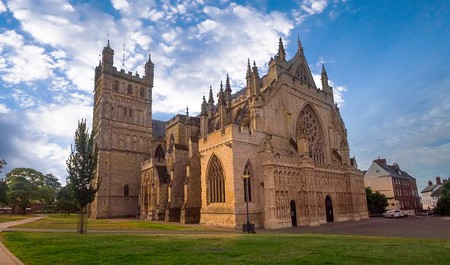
(246, 179)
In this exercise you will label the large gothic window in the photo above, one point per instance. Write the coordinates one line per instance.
(215, 181)
(248, 182)
(308, 127)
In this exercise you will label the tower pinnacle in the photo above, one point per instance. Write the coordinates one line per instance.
(281, 52)
(299, 43)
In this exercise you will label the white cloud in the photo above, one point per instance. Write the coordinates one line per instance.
(25, 63)
(206, 26)
(314, 6)
(58, 120)
(4, 109)
(120, 4)
(2, 7)
(225, 35)
(23, 99)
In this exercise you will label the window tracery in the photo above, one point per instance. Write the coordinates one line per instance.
(216, 181)
(308, 127)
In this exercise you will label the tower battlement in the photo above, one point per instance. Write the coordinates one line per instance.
(128, 75)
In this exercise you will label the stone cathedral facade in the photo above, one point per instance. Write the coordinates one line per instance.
(281, 131)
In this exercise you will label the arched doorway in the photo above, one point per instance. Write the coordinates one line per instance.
(293, 213)
(329, 209)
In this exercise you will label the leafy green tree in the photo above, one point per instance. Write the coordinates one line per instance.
(20, 193)
(81, 167)
(65, 202)
(40, 188)
(3, 193)
(443, 204)
(52, 182)
(376, 202)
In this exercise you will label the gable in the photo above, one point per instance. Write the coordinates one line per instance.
(299, 69)
(375, 171)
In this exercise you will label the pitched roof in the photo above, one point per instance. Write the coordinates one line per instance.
(429, 188)
(438, 191)
(394, 172)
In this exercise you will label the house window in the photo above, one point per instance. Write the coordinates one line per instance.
(142, 92)
(116, 86)
(216, 181)
(125, 190)
(130, 89)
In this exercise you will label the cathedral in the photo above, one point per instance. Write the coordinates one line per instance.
(276, 150)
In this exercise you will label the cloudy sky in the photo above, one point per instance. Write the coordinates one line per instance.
(388, 62)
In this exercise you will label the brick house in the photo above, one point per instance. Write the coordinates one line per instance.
(399, 187)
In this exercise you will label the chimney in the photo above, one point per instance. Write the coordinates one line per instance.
(380, 161)
(430, 183)
(438, 180)
(396, 167)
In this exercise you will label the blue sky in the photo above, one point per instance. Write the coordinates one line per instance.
(387, 60)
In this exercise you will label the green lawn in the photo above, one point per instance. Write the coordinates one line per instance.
(72, 248)
(9, 218)
(58, 221)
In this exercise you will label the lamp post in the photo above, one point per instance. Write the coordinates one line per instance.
(246, 178)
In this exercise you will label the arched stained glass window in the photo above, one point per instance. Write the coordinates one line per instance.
(215, 181)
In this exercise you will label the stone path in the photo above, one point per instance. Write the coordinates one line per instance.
(6, 257)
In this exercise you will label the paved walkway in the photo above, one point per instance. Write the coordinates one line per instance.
(6, 257)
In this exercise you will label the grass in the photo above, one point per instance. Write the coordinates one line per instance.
(72, 248)
(9, 218)
(58, 221)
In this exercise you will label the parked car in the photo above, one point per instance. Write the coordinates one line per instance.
(395, 214)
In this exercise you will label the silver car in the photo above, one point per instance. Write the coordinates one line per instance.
(394, 214)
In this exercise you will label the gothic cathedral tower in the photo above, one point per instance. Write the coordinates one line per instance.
(123, 132)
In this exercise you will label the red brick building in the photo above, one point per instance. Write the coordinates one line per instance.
(399, 187)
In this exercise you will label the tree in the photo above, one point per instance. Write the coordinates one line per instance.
(3, 186)
(443, 204)
(81, 168)
(3, 193)
(27, 184)
(2, 164)
(376, 202)
(51, 181)
(20, 193)
(65, 202)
